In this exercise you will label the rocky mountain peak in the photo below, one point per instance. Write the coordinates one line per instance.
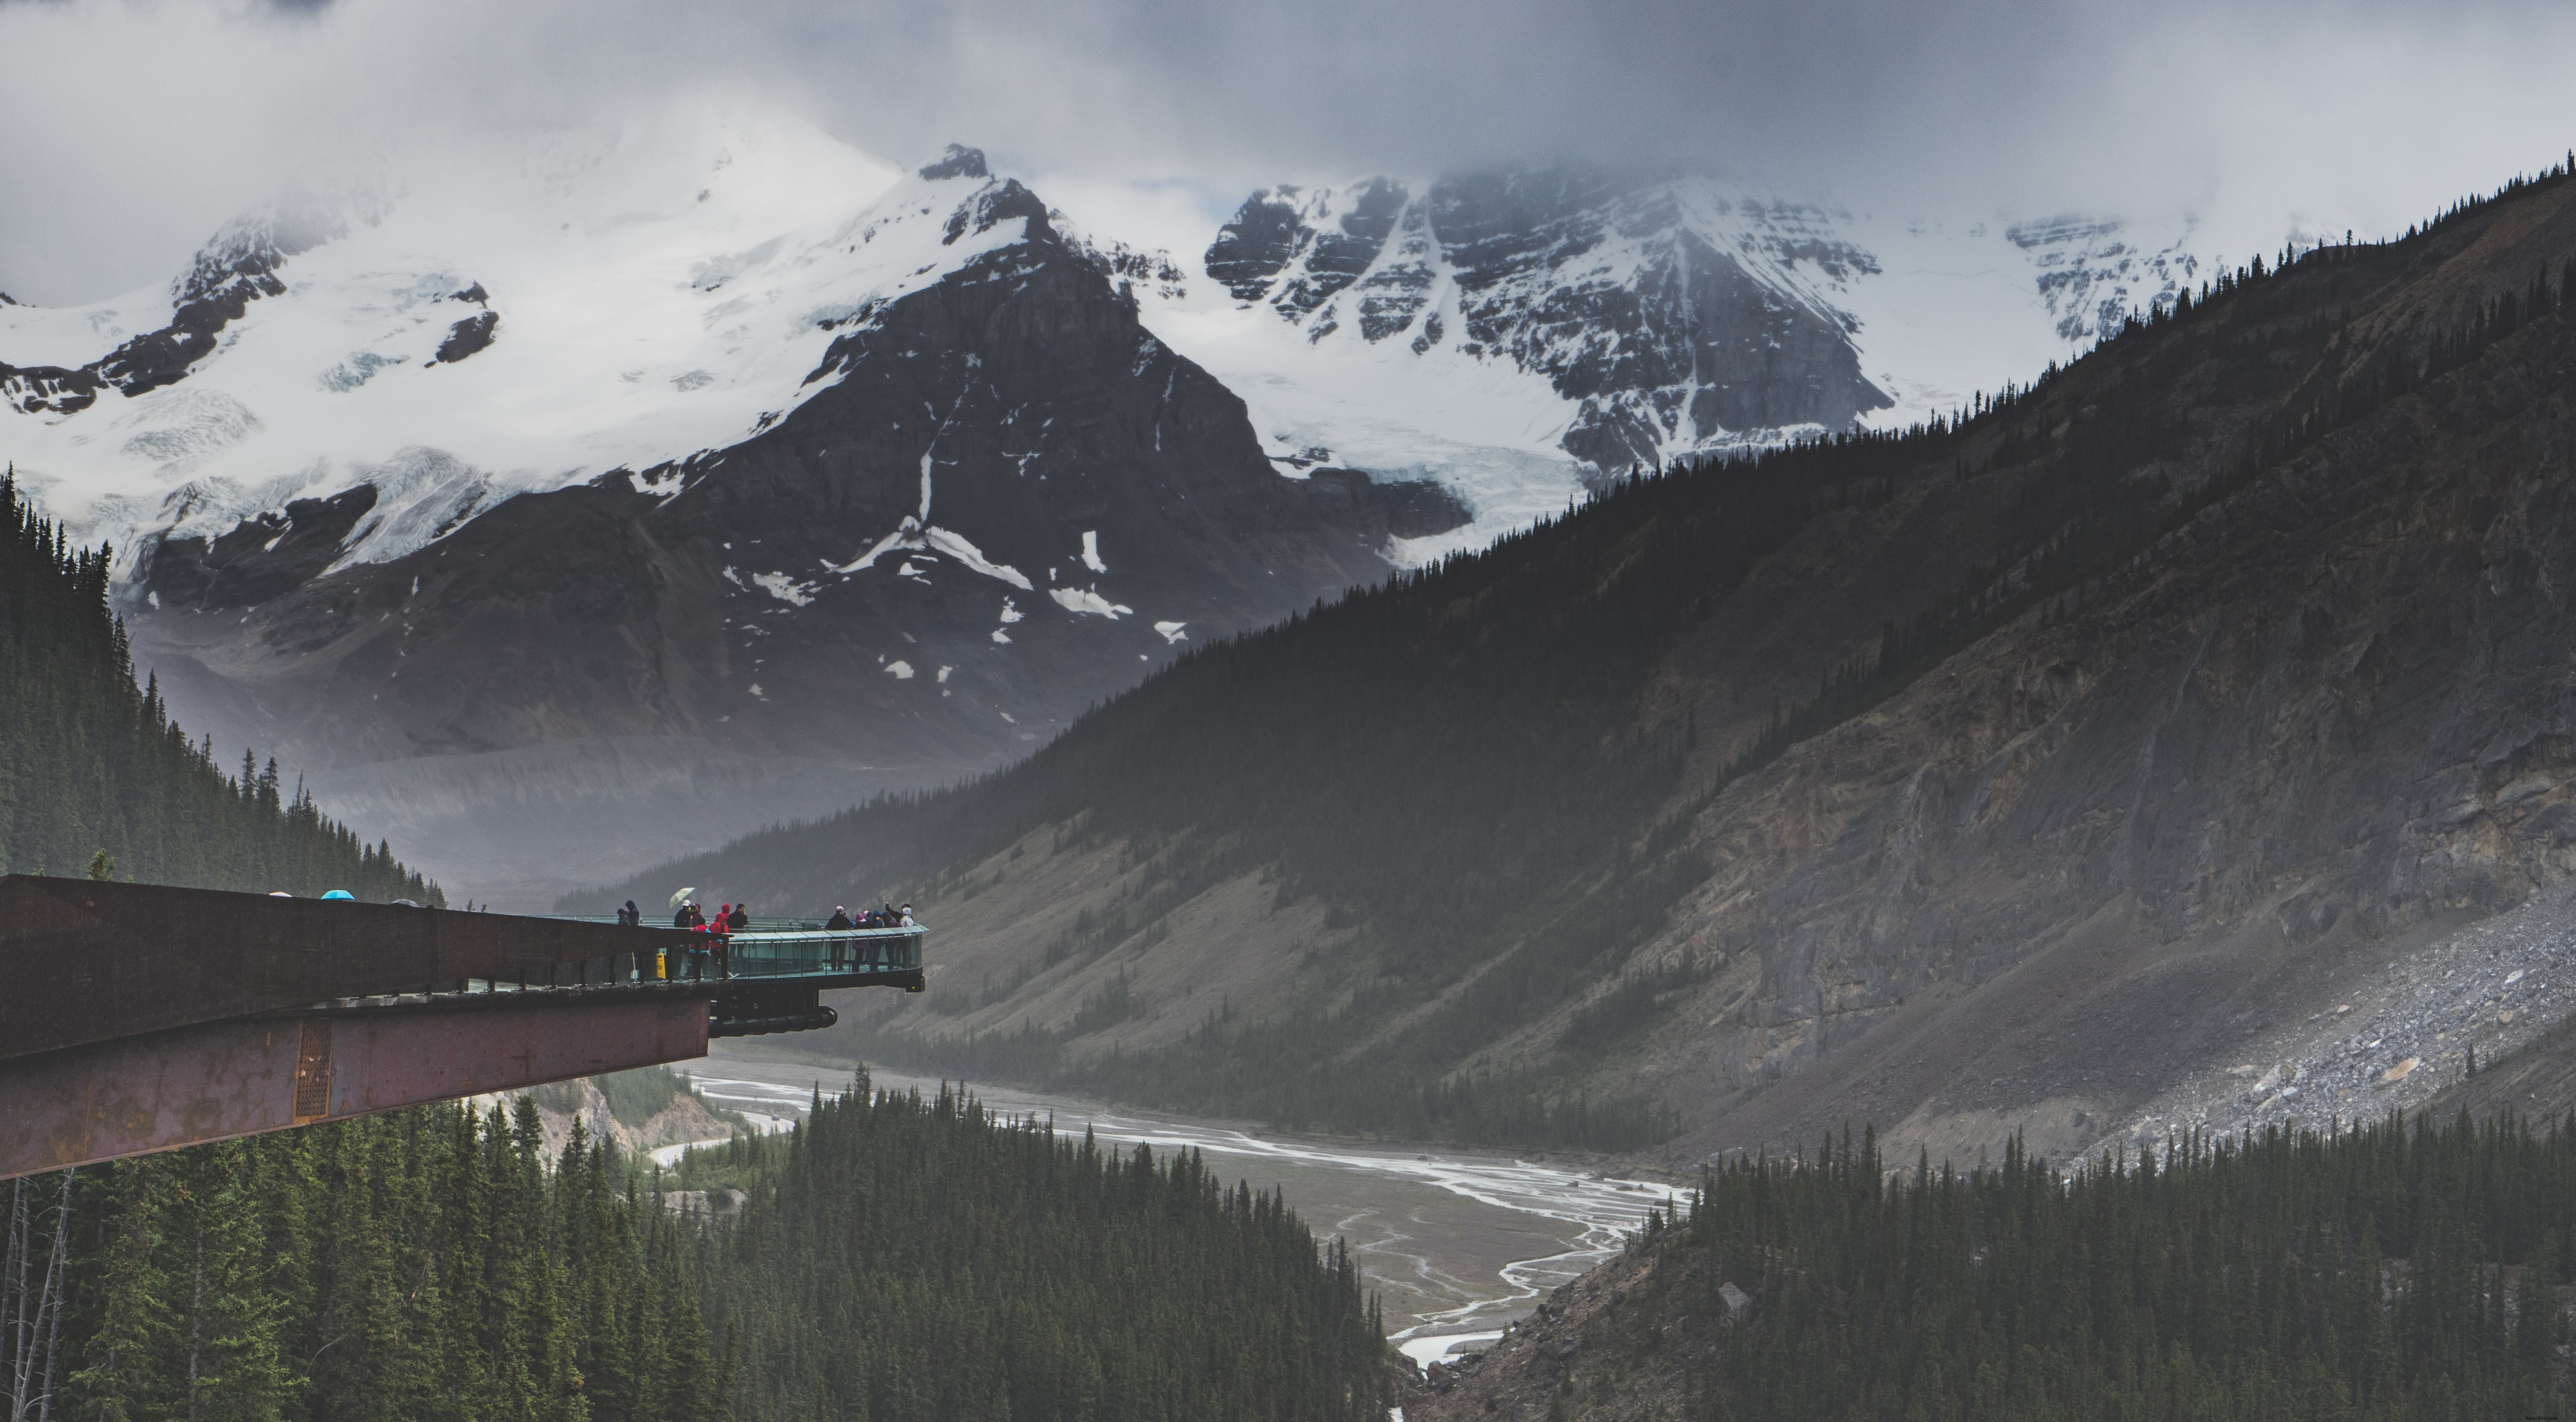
(956, 161)
(997, 203)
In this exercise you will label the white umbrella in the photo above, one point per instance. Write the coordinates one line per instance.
(681, 897)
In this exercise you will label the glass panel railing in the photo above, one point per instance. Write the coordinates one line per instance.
(823, 952)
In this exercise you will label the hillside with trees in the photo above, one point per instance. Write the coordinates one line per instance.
(99, 775)
(1631, 823)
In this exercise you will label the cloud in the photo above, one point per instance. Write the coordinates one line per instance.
(143, 124)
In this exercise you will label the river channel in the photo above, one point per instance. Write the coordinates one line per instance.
(1457, 1243)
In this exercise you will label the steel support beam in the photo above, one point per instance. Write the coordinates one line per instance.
(92, 962)
(217, 1080)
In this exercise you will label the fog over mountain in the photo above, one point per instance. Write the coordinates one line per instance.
(2353, 114)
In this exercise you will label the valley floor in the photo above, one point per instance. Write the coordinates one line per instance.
(1458, 1243)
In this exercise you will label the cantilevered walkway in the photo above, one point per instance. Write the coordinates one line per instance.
(136, 1018)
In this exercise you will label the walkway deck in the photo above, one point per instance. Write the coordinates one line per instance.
(142, 1018)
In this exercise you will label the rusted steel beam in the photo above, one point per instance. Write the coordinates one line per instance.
(213, 1081)
(83, 961)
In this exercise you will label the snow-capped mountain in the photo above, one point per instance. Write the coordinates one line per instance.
(1513, 335)
(874, 484)
(712, 473)
(450, 339)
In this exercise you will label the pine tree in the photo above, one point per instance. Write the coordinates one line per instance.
(124, 1377)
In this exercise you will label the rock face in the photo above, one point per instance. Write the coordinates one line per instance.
(1496, 325)
(1617, 291)
(1541, 1360)
(685, 1118)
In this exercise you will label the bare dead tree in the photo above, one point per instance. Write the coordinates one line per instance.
(31, 1309)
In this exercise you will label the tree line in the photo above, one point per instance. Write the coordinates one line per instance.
(2396, 1269)
(428, 1264)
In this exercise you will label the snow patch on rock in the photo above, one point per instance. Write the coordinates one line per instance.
(956, 546)
(784, 588)
(1084, 600)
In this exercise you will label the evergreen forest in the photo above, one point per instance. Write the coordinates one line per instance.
(426, 1264)
(101, 780)
(2396, 1270)
(903, 1257)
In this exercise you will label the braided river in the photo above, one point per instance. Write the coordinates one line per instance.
(1456, 1242)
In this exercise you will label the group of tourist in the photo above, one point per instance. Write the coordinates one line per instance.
(736, 918)
(887, 917)
(730, 919)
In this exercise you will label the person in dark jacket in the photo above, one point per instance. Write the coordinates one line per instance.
(740, 918)
(629, 916)
(839, 922)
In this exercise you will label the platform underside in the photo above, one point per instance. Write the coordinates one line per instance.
(215, 1081)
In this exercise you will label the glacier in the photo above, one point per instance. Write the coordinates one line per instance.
(659, 297)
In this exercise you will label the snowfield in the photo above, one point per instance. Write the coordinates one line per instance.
(658, 295)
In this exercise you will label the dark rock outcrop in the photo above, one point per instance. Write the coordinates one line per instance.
(260, 558)
(957, 161)
(1375, 512)
(1250, 251)
(1337, 254)
(466, 337)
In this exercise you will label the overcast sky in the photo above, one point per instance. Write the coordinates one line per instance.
(134, 128)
